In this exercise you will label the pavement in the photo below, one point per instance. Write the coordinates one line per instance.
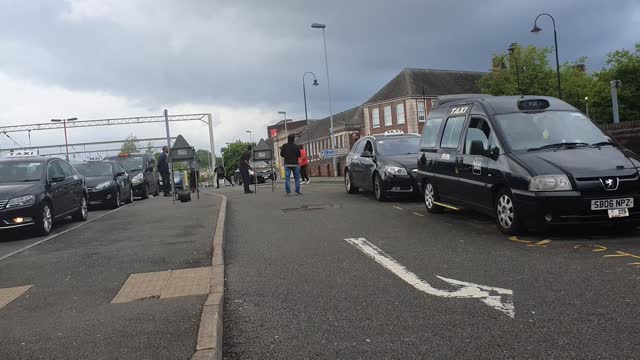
(328, 275)
(68, 313)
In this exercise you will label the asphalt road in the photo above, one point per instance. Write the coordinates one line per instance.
(295, 289)
(67, 313)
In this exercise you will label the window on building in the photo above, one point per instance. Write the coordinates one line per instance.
(388, 121)
(375, 117)
(400, 119)
(421, 111)
(433, 103)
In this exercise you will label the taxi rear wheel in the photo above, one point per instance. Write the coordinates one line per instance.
(507, 215)
(130, 196)
(116, 200)
(378, 188)
(430, 199)
(83, 211)
(348, 183)
(44, 221)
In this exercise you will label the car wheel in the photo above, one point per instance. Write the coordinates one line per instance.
(145, 193)
(430, 199)
(83, 212)
(348, 183)
(507, 215)
(116, 200)
(44, 221)
(378, 190)
(130, 197)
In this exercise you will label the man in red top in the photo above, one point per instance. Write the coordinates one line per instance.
(303, 161)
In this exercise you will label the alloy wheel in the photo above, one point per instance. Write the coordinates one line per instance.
(347, 182)
(428, 196)
(505, 211)
(84, 208)
(46, 218)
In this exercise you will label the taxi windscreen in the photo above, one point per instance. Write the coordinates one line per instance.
(530, 131)
(399, 146)
(131, 163)
(20, 172)
(95, 169)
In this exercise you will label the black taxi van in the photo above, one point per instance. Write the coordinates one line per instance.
(528, 161)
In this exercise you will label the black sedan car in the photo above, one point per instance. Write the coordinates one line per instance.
(106, 182)
(140, 167)
(36, 191)
(383, 164)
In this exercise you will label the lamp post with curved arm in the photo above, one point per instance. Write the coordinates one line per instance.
(536, 29)
(304, 94)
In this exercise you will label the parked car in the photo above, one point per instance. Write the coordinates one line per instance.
(239, 181)
(36, 191)
(264, 171)
(528, 161)
(383, 164)
(141, 170)
(106, 182)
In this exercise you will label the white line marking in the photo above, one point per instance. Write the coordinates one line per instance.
(497, 298)
(398, 207)
(51, 237)
(415, 213)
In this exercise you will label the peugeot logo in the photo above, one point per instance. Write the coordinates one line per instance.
(610, 184)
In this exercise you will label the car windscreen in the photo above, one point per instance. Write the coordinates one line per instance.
(399, 146)
(27, 171)
(131, 163)
(530, 131)
(95, 169)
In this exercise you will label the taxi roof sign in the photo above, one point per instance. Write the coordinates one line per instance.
(533, 104)
(393, 132)
(22, 153)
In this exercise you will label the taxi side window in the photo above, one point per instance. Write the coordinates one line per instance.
(119, 169)
(430, 133)
(480, 130)
(452, 131)
(67, 170)
(358, 148)
(368, 146)
(54, 171)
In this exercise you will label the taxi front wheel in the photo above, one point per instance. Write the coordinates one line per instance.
(44, 220)
(507, 215)
(430, 199)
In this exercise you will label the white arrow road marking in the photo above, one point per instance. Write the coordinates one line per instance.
(497, 298)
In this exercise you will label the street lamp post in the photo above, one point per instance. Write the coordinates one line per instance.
(64, 122)
(304, 94)
(536, 29)
(255, 174)
(286, 134)
(326, 63)
(586, 104)
(512, 51)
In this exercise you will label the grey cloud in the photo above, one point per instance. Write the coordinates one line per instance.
(253, 53)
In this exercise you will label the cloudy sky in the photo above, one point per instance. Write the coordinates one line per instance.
(243, 60)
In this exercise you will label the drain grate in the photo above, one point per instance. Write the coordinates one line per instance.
(313, 207)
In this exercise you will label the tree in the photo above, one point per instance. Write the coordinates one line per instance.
(130, 145)
(621, 65)
(203, 157)
(231, 156)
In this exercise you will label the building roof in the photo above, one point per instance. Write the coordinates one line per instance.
(351, 119)
(428, 82)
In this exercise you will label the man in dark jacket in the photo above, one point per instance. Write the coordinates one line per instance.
(221, 174)
(244, 170)
(291, 152)
(163, 169)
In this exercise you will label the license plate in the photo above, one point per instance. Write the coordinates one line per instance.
(618, 213)
(606, 204)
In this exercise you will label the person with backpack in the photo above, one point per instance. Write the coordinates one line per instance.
(291, 152)
(303, 162)
(221, 174)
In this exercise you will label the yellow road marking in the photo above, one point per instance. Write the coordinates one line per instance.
(622, 254)
(446, 206)
(516, 239)
(542, 243)
(418, 214)
(596, 248)
(636, 264)
(7, 295)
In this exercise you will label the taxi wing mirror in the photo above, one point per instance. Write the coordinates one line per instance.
(477, 148)
(121, 174)
(494, 153)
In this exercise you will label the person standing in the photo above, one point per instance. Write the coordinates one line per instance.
(163, 169)
(303, 162)
(291, 152)
(244, 169)
(221, 174)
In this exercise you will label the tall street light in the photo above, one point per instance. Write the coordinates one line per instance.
(304, 94)
(326, 63)
(64, 122)
(286, 134)
(536, 29)
(255, 173)
(512, 51)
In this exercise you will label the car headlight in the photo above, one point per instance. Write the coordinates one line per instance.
(21, 201)
(550, 183)
(138, 178)
(395, 170)
(103, 185)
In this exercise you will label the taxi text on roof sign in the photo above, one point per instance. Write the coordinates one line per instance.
(21, 153)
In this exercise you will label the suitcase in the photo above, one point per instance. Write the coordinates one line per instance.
(184, 196)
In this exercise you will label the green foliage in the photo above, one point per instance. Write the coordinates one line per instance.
(538, 77)
(203, 157)
(231, 156)
(130, 145)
